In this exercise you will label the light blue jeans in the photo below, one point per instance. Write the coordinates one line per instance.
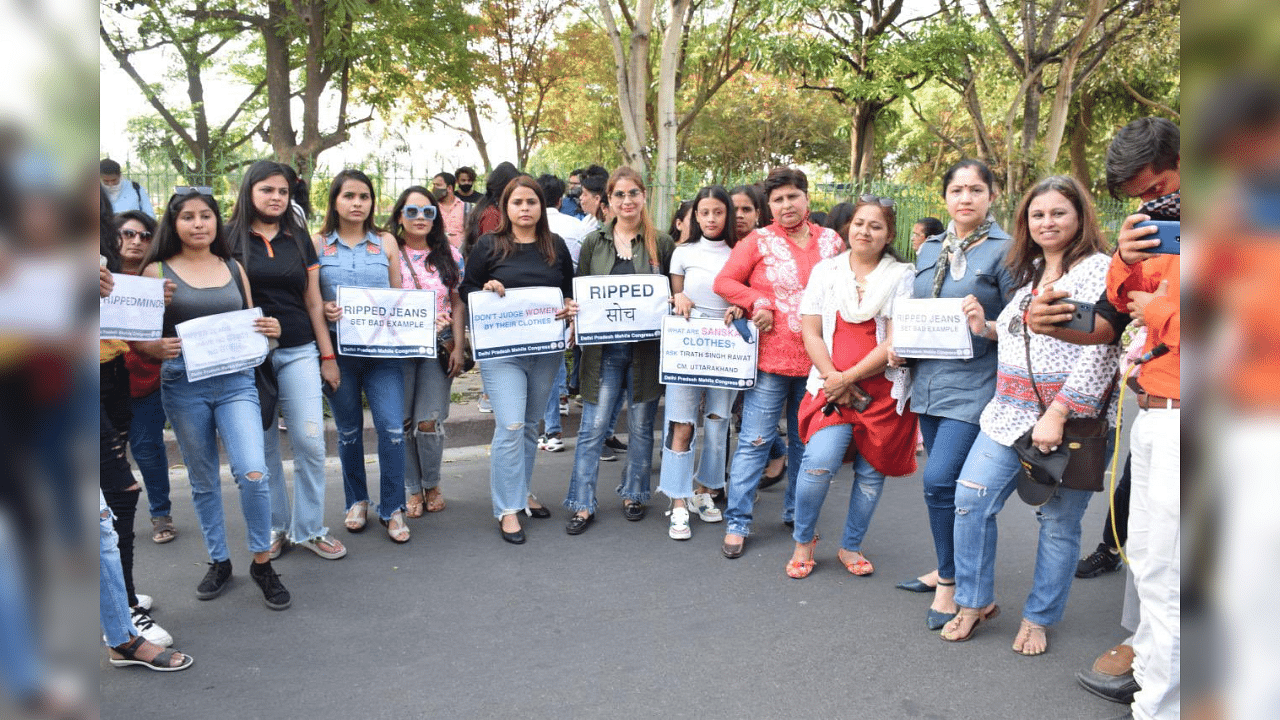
(426, 406)
(146, 442)
(518, 388)
(823, 457)
(988, 479)
(615, 367)
(683, 402)
(298, 376)
(113, 601)
(22, 666)
(762, 408)
(382, 381)
(200, 412)
(551, 418)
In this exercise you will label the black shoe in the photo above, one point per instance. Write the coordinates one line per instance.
(607, 454)
(731, 551)
(769, 481)
(633, 511)
(538, 512)
(914, 585)
(273, 592)
(578, 524)
(791, 524)
(515, 538)
(614, 443)
(1116, 688)
(215, 581)
(1101, 561)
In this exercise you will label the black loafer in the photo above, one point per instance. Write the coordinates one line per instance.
(1116, 688)
(578, 524)
(731, 551)
(515, 538)
(633, 511)
(914, 585)
(541, 513)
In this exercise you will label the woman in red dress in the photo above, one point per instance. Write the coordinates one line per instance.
(854, 408)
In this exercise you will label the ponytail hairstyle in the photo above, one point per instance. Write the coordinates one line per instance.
(646, 225)
(505, 239)
(718, 194)
(439, 251)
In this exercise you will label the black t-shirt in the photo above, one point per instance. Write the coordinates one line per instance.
(278, 277)
(473, 198)
(1108, 312)
(526, 267)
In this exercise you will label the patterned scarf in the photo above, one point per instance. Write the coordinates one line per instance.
(953, 249)
(1165, 207)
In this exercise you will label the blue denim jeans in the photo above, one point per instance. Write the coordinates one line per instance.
(426, 406)
(615, 367)
(200, 412)
(988, 479)
(298, 376)
(517, 387)
(382, 382)
(113, 601)
(823, 457)
(762, 408)
(683, 401)
(551, 418)
(146, 442)
(947, 442)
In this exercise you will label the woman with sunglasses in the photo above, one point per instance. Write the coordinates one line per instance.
(353, 253)
(628, 244)
(1057, 242)
(191, 249)
(428, 262)
(967, 261)
(523, 252)
(854, 408)
(766, 275)
(277, 254)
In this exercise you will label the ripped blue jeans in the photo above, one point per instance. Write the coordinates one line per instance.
(823, 456)
(382, 381)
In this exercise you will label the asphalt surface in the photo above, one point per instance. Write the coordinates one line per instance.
(618, 622)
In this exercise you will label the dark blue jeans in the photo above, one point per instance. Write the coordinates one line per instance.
(382, 381)
(947, 442)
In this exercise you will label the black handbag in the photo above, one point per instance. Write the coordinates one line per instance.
(1084, 441)
(264, 375)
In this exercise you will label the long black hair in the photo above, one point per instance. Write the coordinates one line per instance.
(763, 212)
(167, 243)
(245, 212)
(730, 232)
(108, 238)
(331, 209)
(504, 237)
(681, 212)
(497, 181)
(439, 251)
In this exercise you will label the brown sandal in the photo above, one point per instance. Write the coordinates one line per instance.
(952, 628)
(435, 501)
(413, 506)
(162, 529)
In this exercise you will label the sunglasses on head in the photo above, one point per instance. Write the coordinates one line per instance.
(412, 212)
(881, 201)
(129, 234)
(188, 189)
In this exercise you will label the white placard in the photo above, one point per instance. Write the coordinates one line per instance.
(134, 310)
(386, 322)
(222, 344)
(931, 328)
(40, 296)
(620, 308)
(521, 323)
(707, 353)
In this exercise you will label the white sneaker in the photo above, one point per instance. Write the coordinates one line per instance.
(149, 629)
(706, 508)
(552, 443)
(679, 529)
(144, 601)
(564, 404)
(484, 405)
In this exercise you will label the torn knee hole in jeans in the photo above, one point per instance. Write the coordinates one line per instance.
(516, 426)
(348, 437)
(253, 476)
(758, 441)
(713, 417)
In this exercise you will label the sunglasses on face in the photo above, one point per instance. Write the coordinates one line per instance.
(632, 193)
(413, 212)
(881, 201)
(128, 234)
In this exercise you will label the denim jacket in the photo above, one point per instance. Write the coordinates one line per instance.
(960, 389)
(364, 265)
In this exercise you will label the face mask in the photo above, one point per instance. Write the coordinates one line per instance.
(465, 189)
(439, 193)
(113, 191)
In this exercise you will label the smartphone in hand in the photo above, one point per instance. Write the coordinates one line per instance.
(1082, 318)
(1168, 232)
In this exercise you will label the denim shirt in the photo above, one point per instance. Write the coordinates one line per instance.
(960, 389)
(364, 265)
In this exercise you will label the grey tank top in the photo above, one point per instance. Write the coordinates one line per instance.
(192, 302)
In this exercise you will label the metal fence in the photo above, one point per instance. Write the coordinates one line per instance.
(392, 176)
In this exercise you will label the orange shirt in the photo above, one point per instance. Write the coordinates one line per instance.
(1160, 376)
(1239, 274)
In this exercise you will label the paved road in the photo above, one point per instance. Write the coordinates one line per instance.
(618, 622)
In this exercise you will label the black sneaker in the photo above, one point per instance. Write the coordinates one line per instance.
(273, 592)
(1101, 561)
(215, 581)
(612, 442)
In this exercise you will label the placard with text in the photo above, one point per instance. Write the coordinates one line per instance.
(931, 328)
(523, 322)
(620, 308)
(386, 322)
(222, 344)
(707, 353)
(134, 310)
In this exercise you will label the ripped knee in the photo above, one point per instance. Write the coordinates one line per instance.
(426, 426)
(515, 426)
(758, 441)
(253, 476)
(713, 417)
(348, 437)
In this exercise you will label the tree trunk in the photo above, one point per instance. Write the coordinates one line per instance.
(664, 179)
(1066, 80)
(632, 75)
(276, 56)
(1080, 140)
(477, 134)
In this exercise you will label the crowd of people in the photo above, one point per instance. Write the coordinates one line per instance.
(829, 387)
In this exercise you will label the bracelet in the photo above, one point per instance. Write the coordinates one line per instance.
(328, 357)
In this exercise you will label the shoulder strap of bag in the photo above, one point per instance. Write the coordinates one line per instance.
(235, 275)
(409, 261)
(1106, 397)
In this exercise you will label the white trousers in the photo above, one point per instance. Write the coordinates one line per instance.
(1154, 549)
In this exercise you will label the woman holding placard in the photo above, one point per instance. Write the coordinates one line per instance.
(192, 251)
(854, 408)
(766, 275)
(354, 254)
(268, 239)
(627, 244)
(967, 261)
(694, 265)
(522, 252)
(428, 262)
